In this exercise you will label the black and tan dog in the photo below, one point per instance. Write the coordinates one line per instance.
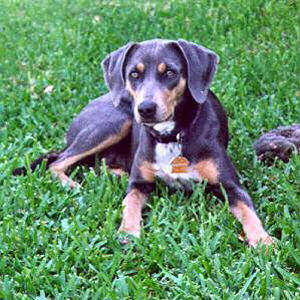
(159, 120)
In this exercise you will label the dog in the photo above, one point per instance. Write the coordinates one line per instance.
(159, 120)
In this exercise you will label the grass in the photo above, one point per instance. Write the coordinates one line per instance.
(58, 244)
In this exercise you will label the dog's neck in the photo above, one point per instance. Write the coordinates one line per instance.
(165, 132)
(173, 130)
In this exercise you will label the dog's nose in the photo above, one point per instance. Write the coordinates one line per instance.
(147, 109)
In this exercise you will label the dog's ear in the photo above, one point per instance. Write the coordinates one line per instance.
(201, 67)
(113, 68)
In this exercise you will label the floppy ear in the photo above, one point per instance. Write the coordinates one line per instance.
(113, 67)
(201, 67)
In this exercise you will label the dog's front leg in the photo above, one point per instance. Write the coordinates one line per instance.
(141, 184)
(219, 171)
(133, 204)
(241, 205)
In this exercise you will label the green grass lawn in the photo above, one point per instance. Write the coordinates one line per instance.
(59, 244)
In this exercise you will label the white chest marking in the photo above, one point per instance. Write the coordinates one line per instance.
(164, 155)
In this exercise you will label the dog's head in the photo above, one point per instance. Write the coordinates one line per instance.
(156, 73)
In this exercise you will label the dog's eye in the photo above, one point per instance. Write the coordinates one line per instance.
(134, 75)
(170, 73)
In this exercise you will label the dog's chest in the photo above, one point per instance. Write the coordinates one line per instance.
(165, 154)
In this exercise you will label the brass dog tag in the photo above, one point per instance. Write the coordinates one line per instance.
(180, 165)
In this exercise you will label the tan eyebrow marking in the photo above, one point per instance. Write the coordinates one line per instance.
(140, 67)
(161, 67)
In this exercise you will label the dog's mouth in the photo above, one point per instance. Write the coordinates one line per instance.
(155, 123)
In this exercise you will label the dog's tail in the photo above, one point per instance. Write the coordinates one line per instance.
(49, 157)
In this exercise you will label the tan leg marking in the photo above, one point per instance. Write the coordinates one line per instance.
(59, 168)
(132, 214)
(161, 67)
(252, 226)
(147, 171)
(208, 170)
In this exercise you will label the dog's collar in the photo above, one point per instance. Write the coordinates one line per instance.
(176, 135)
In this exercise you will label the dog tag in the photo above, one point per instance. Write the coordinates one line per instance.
(180, 165)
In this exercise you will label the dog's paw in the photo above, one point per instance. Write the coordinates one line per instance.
(71, 184)
(128, 233)
(265, 240)
(125, 238)
(258, 240)
(134, 232)
(261, 241)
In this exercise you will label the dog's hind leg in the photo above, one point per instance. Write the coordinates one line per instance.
(73, 154)
(99, 126)
(77, 152)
